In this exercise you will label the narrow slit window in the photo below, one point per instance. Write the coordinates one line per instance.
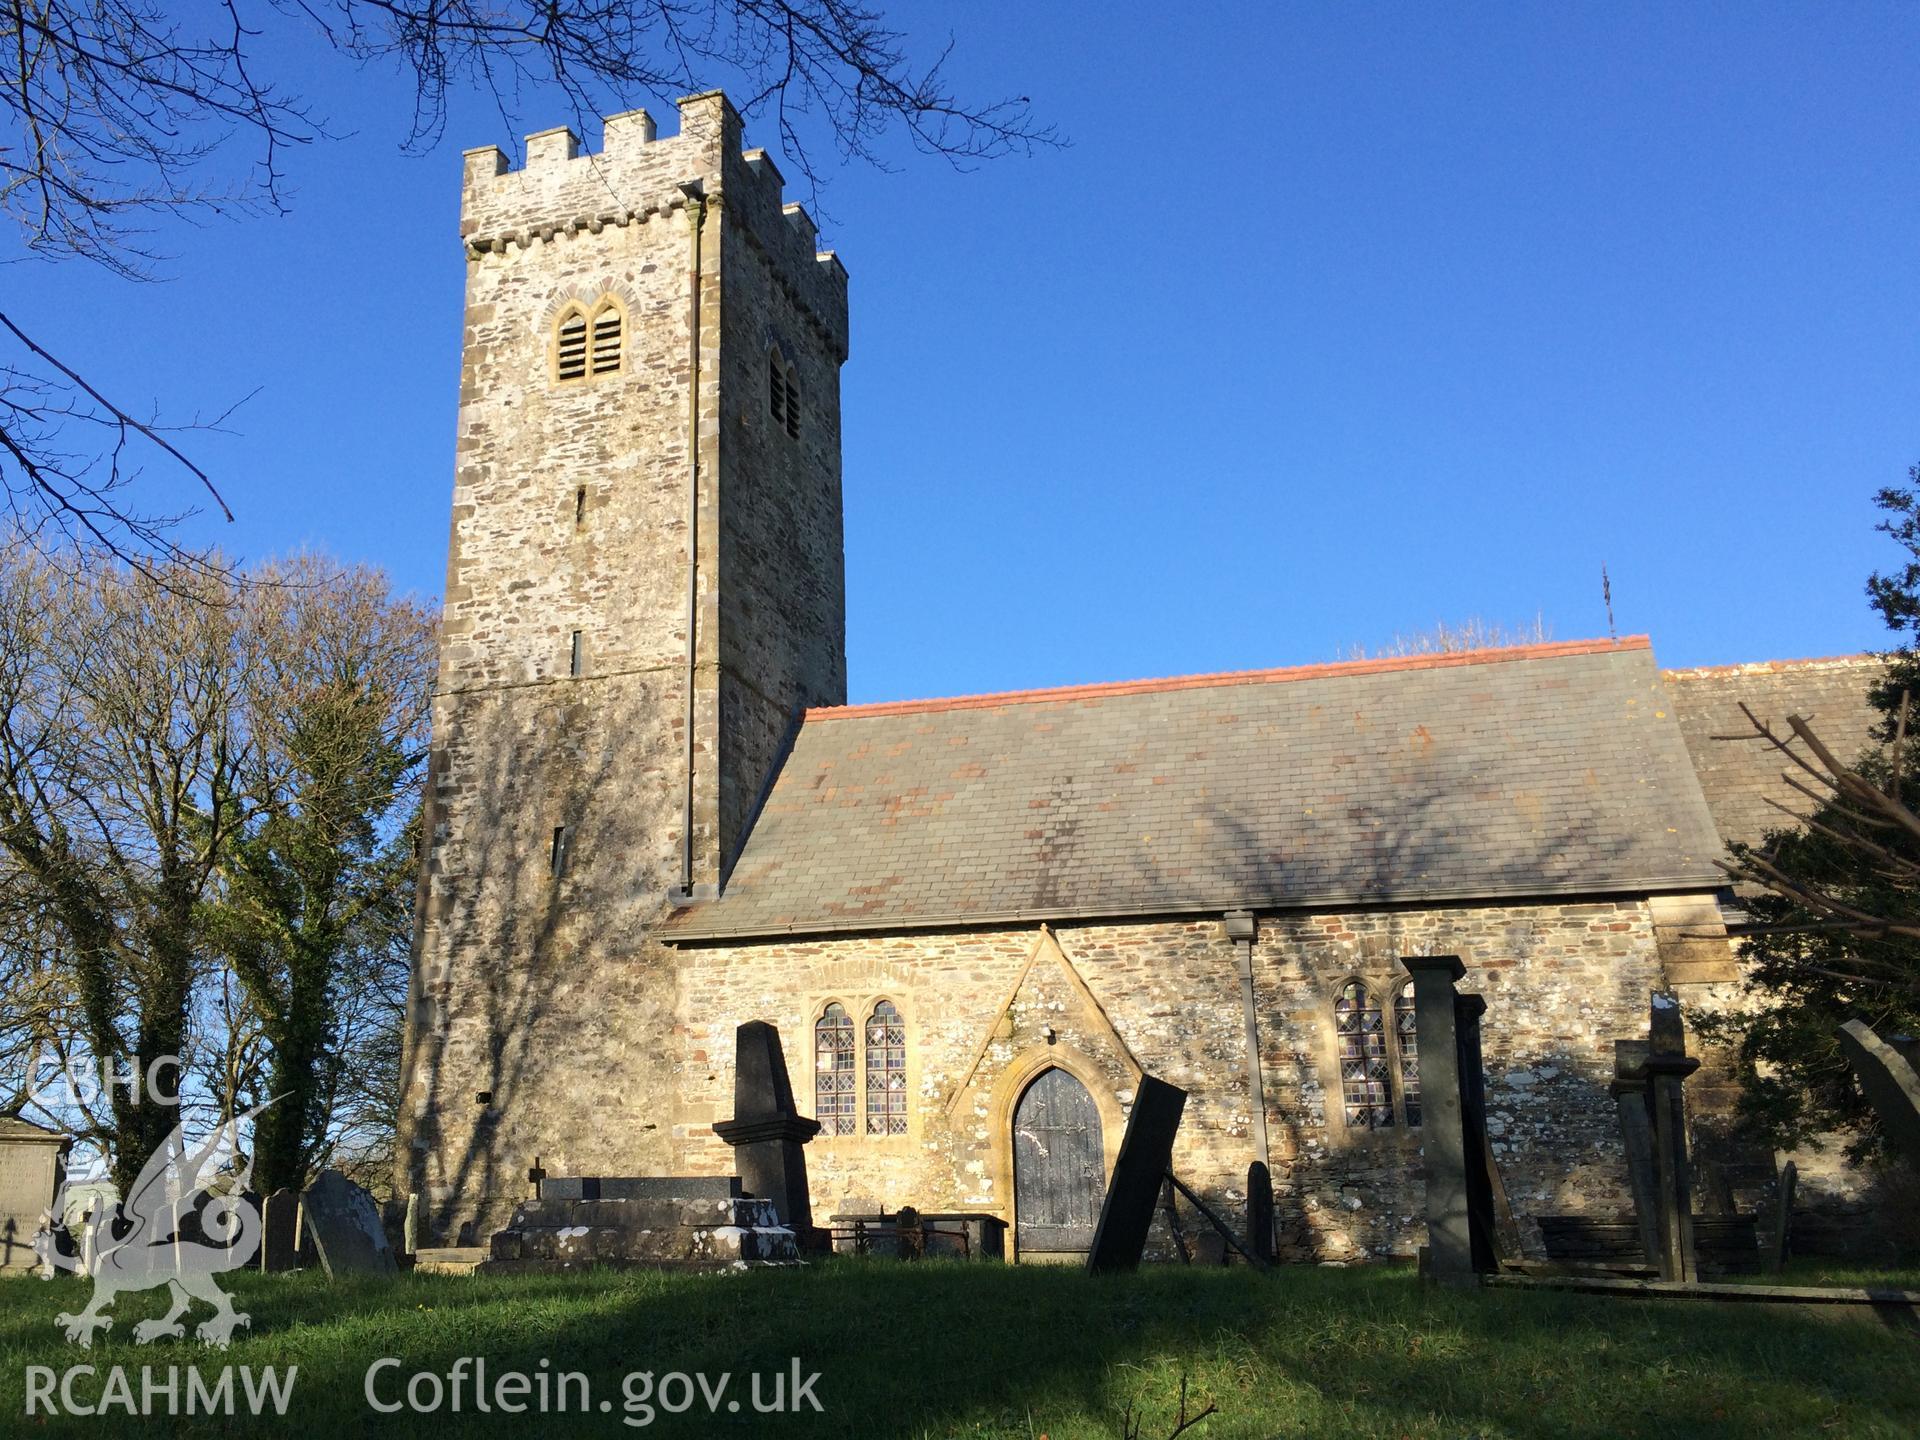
(580, 507)
(606, 339)
(1365, 1097)
(570, 353)
(1407, 1031)
(577, 661)
(834, 1097)
(562, 842)
(886, 1071)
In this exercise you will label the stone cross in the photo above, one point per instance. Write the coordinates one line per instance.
(1666, 1069)
(1452, 1123)
(767, 1132)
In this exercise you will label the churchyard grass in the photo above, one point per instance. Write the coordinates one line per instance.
(945, 1349)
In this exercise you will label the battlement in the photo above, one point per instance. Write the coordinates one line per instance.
(563, 189)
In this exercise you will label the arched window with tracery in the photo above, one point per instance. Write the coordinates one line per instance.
(1406, 1034)
(1365, 1090)
(835, 1101)
(886, 1071)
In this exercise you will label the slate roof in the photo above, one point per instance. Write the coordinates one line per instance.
(1539, 770)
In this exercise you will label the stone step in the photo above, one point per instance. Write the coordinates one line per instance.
(449, 1259)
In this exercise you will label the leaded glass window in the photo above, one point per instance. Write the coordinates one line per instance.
(1406, 1031)
(886, 1071)
(1364, 1091)
(835, 1101)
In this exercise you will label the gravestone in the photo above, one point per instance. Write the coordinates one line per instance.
(1453, 1141)
(1782, 1240)
(1629, 1091)
(32, 1166)
(768, 1133)
(1467, 1010)
(1891, 1086)
(410, 1227)
(280, 1232)
(345, 1227)
(1666, 1069)
(1144, 1161)
(1260, 1211)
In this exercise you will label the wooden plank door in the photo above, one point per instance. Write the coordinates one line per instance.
(1059, 1165)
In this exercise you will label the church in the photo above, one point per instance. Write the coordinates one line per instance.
(976, 921)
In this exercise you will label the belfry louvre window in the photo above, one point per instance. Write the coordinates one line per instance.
(835, 1101)
(571, 351)
(606, 340)
(886, 1071)
(1406, 1032)
(783, 395)
(588, 344)
(1365, 1093)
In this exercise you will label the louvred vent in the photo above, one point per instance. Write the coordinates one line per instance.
(573, 347)
(793, 407)
(776, 390)
(606, 342)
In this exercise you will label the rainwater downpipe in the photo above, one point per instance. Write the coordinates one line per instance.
(696, 193)
(1240, 931)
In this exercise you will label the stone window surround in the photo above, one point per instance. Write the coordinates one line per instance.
(589, 311)
(1383, 984)
(861, 1010)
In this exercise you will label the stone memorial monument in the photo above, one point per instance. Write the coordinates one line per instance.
(344, 1225)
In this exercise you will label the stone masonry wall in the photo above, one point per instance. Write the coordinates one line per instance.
(539, 1004)
(1561, 981)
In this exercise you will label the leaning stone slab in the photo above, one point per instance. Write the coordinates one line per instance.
(1139, 1171)
(1891, 1085)
(345, 1227)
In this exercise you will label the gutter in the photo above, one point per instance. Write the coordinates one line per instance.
(710, 925)
(1240, 932)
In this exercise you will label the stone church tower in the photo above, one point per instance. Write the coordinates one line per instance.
(645, 587)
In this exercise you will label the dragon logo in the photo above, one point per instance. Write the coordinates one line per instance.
(175, 1229)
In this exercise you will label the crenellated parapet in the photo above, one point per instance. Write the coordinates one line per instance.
(638, 176)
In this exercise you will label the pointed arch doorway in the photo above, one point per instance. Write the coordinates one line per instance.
(1059, 1167)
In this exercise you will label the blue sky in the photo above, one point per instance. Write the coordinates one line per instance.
(1331, 322)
